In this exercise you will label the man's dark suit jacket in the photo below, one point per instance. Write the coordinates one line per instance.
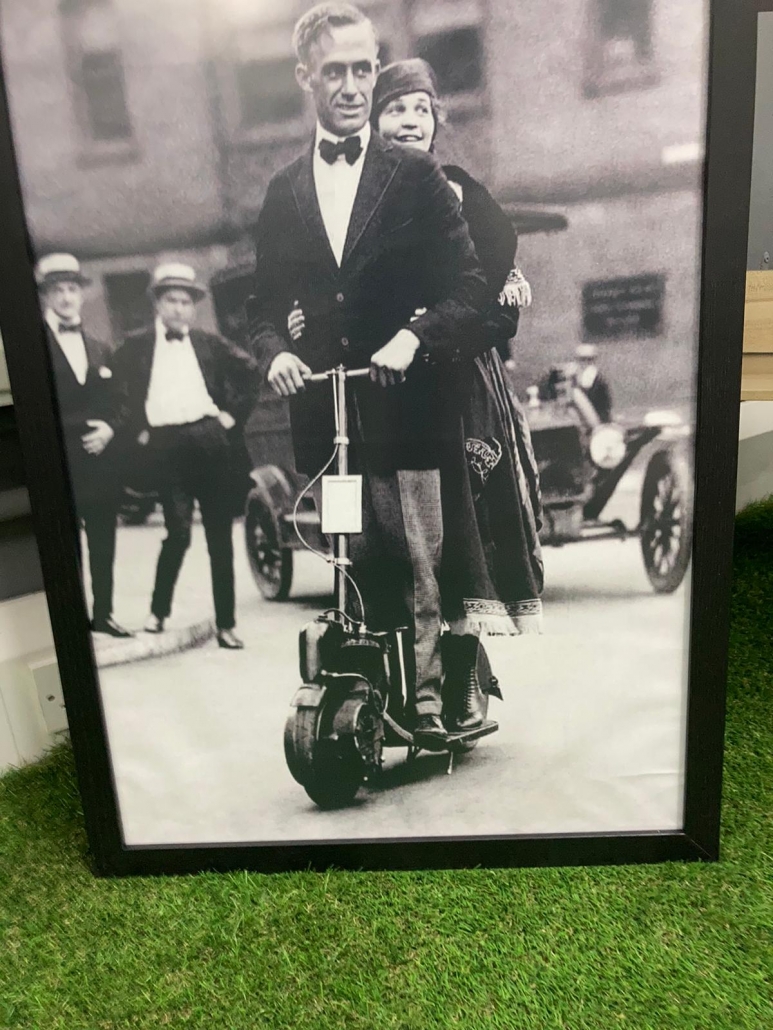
(407, 247)
(94, 477)
(600, 397)
(230, 374)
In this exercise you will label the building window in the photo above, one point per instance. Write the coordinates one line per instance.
(621, 52)
(129, 302)
(105, 96)
(456, 56)
(92, 42)
(268, 92)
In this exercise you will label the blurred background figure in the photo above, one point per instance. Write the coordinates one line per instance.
(592, 382)
(187, 390)
(91, 410)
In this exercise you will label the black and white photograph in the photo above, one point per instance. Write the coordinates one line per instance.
(374, 335)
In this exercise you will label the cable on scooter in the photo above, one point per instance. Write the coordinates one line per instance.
(309, 486)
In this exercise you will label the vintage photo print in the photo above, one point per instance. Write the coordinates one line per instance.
(374, 332)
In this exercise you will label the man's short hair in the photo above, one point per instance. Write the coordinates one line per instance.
(319, 20)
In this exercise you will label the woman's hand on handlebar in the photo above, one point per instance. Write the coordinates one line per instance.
(287, 373)
(389, 365)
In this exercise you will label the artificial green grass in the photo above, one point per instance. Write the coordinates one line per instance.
(657, 948)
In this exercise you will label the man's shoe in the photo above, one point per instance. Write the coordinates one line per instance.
(110, 627)
(430, 733)
(228, 639)
(153, 624)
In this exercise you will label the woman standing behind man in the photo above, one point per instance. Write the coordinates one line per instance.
(492, 573)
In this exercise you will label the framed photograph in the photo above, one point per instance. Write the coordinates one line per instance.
(377, 368)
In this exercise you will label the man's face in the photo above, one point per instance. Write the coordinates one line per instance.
(65, 299)
(340, 75)
(175, 309)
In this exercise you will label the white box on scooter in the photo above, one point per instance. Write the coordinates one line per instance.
(341, 504)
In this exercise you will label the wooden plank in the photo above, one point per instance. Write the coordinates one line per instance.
(757, 377)
(758, 313)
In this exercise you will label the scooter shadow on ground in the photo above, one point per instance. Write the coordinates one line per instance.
(425, 767)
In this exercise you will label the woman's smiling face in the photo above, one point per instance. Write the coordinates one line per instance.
(409, 121)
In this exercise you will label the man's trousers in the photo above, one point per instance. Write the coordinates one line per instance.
(396, 562)
(192, 464)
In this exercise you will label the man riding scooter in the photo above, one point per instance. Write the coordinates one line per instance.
(361, 234)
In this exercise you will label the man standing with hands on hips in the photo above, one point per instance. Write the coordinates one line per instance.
(187, 391)
(361, 234)
(91, 412)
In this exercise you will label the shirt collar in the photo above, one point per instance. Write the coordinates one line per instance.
(322, 133)
(161, 330)
(54, 322)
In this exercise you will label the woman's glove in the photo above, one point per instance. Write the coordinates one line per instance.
(517, 291)
(296, 322)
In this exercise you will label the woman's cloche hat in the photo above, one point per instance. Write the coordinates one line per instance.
(175, 275)
(59, 268)
(414, 75)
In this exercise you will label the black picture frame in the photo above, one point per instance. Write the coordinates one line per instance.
(729, 127)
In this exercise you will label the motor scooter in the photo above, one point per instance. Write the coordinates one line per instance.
(356, 696)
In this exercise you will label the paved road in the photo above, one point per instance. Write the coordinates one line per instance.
(591, 726)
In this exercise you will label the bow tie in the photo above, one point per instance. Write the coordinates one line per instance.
(350, 148)
(174, 334)
(69, 327)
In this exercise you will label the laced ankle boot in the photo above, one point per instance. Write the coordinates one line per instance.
(469, 708)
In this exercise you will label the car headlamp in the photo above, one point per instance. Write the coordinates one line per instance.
(607, 446)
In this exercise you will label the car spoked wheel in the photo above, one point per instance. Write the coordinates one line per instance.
(271, 564)
(666, 521)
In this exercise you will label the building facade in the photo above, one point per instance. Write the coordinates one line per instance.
(147, 131)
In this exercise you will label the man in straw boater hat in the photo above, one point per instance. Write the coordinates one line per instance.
(188, 391)
(362, 234)
(91, 413)
(592, 382)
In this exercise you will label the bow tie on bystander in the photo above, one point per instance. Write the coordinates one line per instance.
(69, 327)
(174, 334)
(350, 148)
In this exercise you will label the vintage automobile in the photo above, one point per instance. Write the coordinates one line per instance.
(582, 460)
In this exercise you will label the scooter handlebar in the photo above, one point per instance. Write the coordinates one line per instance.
(321, 377)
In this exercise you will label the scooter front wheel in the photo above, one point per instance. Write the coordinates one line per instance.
(326, 764)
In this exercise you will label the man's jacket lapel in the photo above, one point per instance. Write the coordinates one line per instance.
(305, 194)
(62, 367)
(381, 164)
(93, 355)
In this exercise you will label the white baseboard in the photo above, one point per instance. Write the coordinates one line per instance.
(755, 453)
(32, 715)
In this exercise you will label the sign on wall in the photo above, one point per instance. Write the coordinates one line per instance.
(632, 306)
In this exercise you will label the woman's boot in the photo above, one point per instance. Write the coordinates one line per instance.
(465, 702)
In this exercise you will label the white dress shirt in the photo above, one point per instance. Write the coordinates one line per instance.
(336, 185)
(73, 347)
(177, 394)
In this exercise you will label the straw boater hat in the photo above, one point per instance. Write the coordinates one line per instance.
(587, 350)
(174, 275)
(59, 268)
